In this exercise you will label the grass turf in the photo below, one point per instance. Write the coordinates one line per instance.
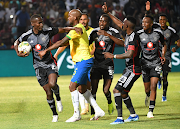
(23, 106)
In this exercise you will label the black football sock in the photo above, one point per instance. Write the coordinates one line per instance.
(118, 102)
(148, 93)
(151, 106)
(92, 109)
(129, 105)
(165, 85)
(52, 106)
(56, 92)
(108, 97)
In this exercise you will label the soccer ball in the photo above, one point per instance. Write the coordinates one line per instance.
(24, 47)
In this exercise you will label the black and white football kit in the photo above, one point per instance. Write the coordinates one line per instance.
(133, 67)
(38, 43)
(150, 60)
(103, 67)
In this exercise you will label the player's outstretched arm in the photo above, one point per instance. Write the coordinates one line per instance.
(176, 47)
(116, 40)
(60, 43)
(115, 20)
(60, 50)
(128, 54)
(67, 29)
(20, 54)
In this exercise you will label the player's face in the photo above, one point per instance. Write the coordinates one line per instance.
(147, 23)
(84, 20)
(162, 21)
(103, 23)
(37, 24)
(70, 18)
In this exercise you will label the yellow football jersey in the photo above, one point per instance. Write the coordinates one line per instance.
(79, 45)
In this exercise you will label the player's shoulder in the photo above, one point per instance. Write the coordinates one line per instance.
(27, 33)
(140, 31)
(113, 29)
(49, 28)
(132, 36)
(158, 30)
(172, 29)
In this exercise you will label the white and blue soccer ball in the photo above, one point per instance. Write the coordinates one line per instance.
(24, 47)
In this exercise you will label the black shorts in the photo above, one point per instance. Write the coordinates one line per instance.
(126, 81)
(42, 74)
(99, 73)
(166, 68)
(150, 71)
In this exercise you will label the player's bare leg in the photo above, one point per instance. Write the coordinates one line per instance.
(147, 91)
(50, 98)
(107, 93)
(55, 88)
(154, 81)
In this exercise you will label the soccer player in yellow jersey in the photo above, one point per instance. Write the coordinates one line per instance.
(79, 49)
(83, 102)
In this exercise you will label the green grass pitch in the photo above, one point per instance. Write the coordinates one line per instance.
(23, 105)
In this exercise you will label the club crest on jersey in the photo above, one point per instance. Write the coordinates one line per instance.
(102, 43)
(38, 47)
(43, 39)
(167, 35)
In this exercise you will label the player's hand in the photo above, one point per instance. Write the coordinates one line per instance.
(21, 54)
(42, 53)
(108, 55)
(78, 30)
(102, 32)
(147, 6)
(163, 60)
(104, 8)
(173, 49)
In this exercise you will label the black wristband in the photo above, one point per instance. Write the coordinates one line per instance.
(176, 47)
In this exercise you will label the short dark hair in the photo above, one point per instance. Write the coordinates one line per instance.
(131, 19)
(35, 16)
(163, 14)
(106, 15)
(151, 17)
(85, 14)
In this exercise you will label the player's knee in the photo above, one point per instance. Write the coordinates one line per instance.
(52, 84)
(124, 94)
(116, 91)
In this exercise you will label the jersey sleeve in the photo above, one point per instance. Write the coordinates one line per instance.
(91, 37)
(53, 31)
(73, 34)
(162, 39)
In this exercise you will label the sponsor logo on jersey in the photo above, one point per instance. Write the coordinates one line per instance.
(150, 46)
(38, 47)
(102, 43)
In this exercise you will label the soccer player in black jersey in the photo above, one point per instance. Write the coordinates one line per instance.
(150, 60)
(105, 38)
(170, 36)
(46, 69)
(133, 68)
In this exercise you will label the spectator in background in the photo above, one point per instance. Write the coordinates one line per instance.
(10, 12)
(2, 16)
(6, 37)
(21, 20)
(71, 4)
